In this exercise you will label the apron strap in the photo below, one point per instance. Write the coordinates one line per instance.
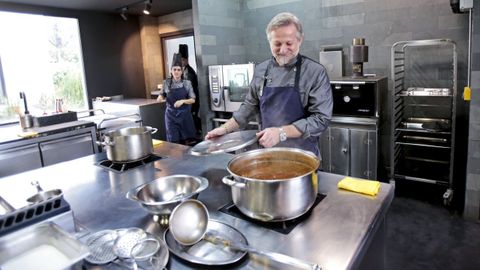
(298, 67)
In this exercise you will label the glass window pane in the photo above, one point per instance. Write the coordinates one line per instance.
(41, 56)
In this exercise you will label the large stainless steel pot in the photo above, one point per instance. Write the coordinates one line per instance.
(273, 184)
(128, 144)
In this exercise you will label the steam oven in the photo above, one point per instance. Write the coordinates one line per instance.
(229, 85)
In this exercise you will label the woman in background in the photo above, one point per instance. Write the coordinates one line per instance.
(179, 95)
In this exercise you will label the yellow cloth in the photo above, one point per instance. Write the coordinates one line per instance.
(368, 187)
(27, 134)
(156, 142)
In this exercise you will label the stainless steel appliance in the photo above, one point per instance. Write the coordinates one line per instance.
(229, 85)
(356, 140)
(150, 111)
(358, 55)
(357, 98)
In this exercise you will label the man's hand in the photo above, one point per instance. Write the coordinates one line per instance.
(269, 137)
(220, 131)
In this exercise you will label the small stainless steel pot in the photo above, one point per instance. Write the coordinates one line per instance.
(128, 144)
(273, 184)
(160, 196)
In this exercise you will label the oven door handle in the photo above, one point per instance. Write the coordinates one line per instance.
(347, 82)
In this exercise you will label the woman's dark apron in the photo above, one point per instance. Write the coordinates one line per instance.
(178, 121)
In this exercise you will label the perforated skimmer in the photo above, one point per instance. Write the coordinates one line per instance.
(126, 240)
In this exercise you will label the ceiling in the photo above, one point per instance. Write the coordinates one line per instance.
(159, 7)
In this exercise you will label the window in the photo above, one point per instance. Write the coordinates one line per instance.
(41, 56)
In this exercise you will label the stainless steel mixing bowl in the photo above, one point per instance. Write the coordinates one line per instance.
(160, 196)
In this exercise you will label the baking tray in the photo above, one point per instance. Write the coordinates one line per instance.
(43, 246)
(423, 91)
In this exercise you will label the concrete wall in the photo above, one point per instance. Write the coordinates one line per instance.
(151, 51)
(219, 39)
(472, 194)
(151, 30)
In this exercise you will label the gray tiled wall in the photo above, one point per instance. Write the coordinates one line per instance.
(234, 32)
(472, 194)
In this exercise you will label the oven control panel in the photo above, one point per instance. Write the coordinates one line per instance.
(216, 91)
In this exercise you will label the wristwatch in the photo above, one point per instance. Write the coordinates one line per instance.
(283, 134)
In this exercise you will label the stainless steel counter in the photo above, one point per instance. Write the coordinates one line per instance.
(9, 133)
(337, 235)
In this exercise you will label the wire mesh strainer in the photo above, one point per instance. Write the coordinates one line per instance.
(100, 245)
(144, 249)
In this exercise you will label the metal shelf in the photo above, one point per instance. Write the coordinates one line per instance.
(414, 96)
(418, 153)
(423, 145)
(423, 131)
(427, 160)
(420, 179)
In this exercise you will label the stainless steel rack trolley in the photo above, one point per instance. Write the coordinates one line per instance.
(423, 112)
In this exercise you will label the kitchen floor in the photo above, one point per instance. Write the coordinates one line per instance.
(423, 234)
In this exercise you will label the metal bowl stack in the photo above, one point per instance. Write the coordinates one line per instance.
(160, 196)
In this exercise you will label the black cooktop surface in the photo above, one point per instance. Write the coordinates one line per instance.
(120, 167)
(284, 227)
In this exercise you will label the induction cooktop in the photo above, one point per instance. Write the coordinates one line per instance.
(284, 227)
(120, 167)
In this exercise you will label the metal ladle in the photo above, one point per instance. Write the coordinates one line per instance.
(188, 225)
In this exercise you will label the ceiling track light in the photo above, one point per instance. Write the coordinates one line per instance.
(148, 6)
(123, 13)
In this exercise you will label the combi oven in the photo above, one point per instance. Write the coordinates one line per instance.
(357, 98)
(229, 85)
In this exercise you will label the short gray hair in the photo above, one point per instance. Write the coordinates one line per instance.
(284, 19)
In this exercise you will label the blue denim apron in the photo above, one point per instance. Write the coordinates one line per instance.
(178, 121)
(280, 106)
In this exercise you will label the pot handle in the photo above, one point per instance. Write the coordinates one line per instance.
(151, 130)
(230, 181)
(105, 143)
(131, 195)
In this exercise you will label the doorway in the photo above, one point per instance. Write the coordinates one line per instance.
(170, 44)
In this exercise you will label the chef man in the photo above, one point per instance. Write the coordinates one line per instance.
(291, 92)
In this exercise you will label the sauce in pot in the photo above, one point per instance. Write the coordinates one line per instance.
(276, 170)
